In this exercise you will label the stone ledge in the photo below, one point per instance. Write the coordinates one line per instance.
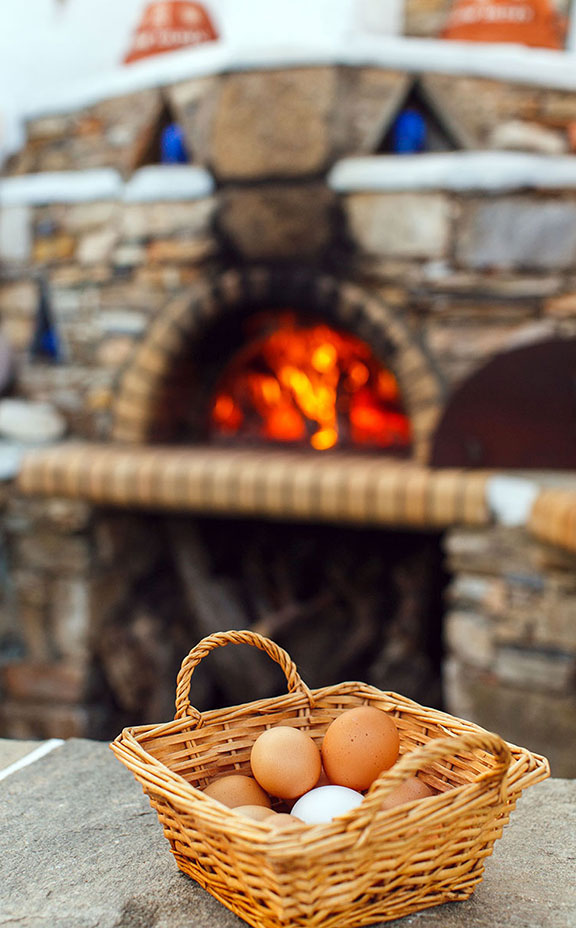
(156, 184)
(81, 848)
(491, 172)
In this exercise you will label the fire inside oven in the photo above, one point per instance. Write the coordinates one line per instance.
(306, 383)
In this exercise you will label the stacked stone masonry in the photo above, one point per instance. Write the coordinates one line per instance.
(510, 637)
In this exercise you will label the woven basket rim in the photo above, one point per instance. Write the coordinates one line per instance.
(174, 787)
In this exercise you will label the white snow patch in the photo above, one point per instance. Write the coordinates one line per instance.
(11, 454)
(510, 499)
(61, 187)
(168, 182)
(491, 172)
(151, 184)
(532, 66)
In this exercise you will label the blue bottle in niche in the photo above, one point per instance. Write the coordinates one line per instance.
(172, 145)
(409, 133)
(45, 341)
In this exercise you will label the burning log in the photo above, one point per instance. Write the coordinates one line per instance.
(309, 384)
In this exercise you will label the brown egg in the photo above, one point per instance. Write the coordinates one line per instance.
(283, 819)
(285, 761)
(258, 813)
(410, 789)
(358, 745)
(238, 790)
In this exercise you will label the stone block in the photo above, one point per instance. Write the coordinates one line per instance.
(68, 302)
(164, 280)
(194, 102)
(33, 628)
(273, 123)
(96, 247)
(85, 217)
(66, 516)
(15, 234)
(400, 225)
(550, 671)
(541, 721)
(367, 102)
(38, 720)
(517, 135)
(561, 307)
(278, 222)
(539, 618)
(129, 256)
(18, 331)
(180, 251)
(18, 297)
(122, 322)
(46, 127)
(494, 102)
(31, 681)
(115, 351)
(54, 553)
(123, 127)
(518, 233)
(160, 220)
(54, 249)
(71, 617)
(470, 637)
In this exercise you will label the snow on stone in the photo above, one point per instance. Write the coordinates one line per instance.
(25, 421)
(510, 499)
(534, 66)
(168, 182)
(151, 184)
(61, 187)
(491, 172)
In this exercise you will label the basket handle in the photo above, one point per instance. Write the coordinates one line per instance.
(218, 640)
(438, 748)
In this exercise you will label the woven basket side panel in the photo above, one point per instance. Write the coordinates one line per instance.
(434, 853)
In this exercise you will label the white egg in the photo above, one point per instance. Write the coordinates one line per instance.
(324, 803)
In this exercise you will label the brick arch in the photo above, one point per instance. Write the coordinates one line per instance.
(146, 408)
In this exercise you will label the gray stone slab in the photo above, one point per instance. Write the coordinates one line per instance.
(81, 848)
(13, 750)
(518, 232)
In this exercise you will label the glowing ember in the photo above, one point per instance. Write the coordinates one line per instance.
(309, 385)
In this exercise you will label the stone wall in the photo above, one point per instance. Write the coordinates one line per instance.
(470, 274)
(469, 269)
(511, 639)
(295, 121)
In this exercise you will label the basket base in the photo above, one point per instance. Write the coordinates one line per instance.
(369, 912)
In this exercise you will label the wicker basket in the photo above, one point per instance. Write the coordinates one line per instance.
(366, 866)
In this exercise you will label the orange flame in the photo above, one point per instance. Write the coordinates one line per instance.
(310, 385)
